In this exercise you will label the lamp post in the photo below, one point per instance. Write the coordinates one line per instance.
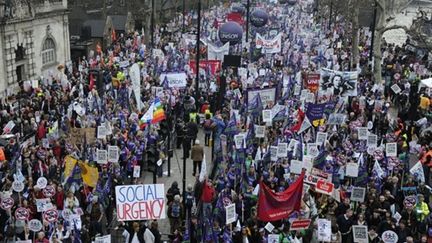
(197, 92)
(373, 32)
(247, 20)
(184, 16)
(152, 22)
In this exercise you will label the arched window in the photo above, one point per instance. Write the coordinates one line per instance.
(48, 51)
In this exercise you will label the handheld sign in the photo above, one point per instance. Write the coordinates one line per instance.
(140, 202)
(389, 237)
(49, 191)
(18, 186)
(22, 214)
(35, 225)
(51, 215)
(7, 203)
(230, 214)
(42, 182)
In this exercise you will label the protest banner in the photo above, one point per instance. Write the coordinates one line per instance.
(239, 139)
(321, 137)
(230, 214)
(396, 89)
(324, 187)
(282, 150)
(35, 225)
(273, 153)
(296, 167)
(43, 205)
(273, 206)
(42, 182)
(136, 171)
(362, 133)
(90, 135)
(113, 154)
(389, 236)
(271, 46)
(358, 194)
(417, 172)
(49, 191)
(260, 131)
(267, 116)
(18, 186)
(342, 83)
(266, 95)
(217, 53)
(336, 119)
(300, 224)
(372, 141)
(324, 230)
(7, 203)
(101, 156)
(175, 80)
(22, 213)
(140, 202)
(50, 215)
(360, 233)
(391, 149)
(352, 169)
(8, 128)
(103, 239)
(311, 81)
(101, 132)
(211, 65)
(269, 227)
(273, 238)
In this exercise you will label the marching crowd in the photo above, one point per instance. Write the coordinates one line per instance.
(274, 129)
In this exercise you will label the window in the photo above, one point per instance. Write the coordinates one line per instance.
(48, 51)
(19, 53)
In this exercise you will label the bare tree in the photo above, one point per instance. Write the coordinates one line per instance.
(386, 12)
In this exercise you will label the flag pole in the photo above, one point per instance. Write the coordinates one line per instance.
(198, 50)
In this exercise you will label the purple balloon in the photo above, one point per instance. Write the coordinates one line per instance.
(292, 2)
(230, 32)
(238, 8)
(259, 18)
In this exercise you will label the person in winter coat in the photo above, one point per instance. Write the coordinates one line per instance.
(175, 210)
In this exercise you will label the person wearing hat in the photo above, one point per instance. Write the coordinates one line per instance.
(175, 210)
(197, 155)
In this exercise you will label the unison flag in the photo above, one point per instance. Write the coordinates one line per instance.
(273, 206)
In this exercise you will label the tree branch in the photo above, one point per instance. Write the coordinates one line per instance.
(393, 27)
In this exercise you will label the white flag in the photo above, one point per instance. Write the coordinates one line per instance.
(203, 171)
(417, 172)
(305, 125)
(217, 53)
(378, 169)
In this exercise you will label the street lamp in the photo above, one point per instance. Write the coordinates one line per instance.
(197, 92)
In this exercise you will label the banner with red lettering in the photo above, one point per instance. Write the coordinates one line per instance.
(236, 17)
(311, 81)
(273, 206)
(140, 202)
(269, 46)
(212, 65)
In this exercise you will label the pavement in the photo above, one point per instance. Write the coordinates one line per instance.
(177, 175)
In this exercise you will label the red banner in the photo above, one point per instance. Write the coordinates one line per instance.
(273, 206)
(312, 81)
(236, 17)
(300, 224)
(212, 65)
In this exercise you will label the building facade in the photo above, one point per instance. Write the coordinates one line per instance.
(34, 40)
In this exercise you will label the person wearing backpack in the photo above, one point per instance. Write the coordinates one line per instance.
(175, 213)
(189, 201)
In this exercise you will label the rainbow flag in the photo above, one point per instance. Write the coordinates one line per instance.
(158, 112)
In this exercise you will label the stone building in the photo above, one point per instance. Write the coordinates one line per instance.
(34, 40)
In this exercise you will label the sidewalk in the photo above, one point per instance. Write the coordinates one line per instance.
(177, 175)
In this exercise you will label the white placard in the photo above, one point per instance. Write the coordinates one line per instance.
(45, 142)
(175, 80)
(42, 182)
(324, 230)
(352, 169)
(103, 239)
(273, 238)
(273, 153)
(321, 137)
(269, 227)
(391, 149)
(282, 150)
(230, 214)
(358, 194)
(312, 150)
(360, 233)
(113, 154)
(396, 89)
(267, 115)
(296, 167)
(18, 186)
(260, 131)
(43, 205)
(102, 156)
(101, 132)
(239, 139)
(135, 198)
(136, 171)
(372, 141)
(389, 237)
(362, 133)
(307, 162)
(35, 225)
(292, 144)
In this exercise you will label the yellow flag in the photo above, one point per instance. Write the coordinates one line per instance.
(70, 163)
(89, 174)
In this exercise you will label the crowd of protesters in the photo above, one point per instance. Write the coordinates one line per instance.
(42, 139)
